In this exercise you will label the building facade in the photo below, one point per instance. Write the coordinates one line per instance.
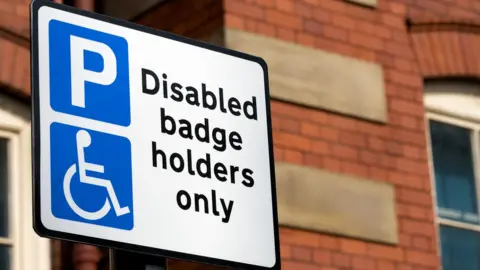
(376, 120)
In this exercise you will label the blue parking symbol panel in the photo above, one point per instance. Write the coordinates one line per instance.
(91, 177)
(89, 73)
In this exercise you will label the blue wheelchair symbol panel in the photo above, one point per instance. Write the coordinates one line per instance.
(91, 177)
(89, 73)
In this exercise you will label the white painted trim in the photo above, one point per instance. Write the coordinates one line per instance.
(453, 103)
(6, 241)
(29, 250)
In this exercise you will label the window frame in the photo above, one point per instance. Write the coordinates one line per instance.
(475, 148)
(29, 251)
(474, 127)
(14, 204)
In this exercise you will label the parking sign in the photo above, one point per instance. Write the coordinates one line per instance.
(150, 142)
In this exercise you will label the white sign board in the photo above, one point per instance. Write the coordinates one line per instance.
(151, 142)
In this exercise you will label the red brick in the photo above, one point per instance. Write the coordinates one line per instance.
(333, 5)
(363, 263)
(341, 260)
(397, 8)
(318, 117)
(320, 147)
(322, 15)
(284, 20)
(328, 242)
(376, 144)
(394, 148)
(291, 141)
(366, 41)
(265, 3)
(234, 21)
(291, 265)
(305, 39)
(342, 122)
(364, 14)
(403, 64)
(343, 22)
(289, 125)
(369, 158)
(310, 130)
(278, 153)
(403, 179)
(414, 196)
(354, 168)
(303, 10)
(399, 49)
(329, 134)
(250, 26)
(312, 2)
(241, 8)
(404, 79)
(385, 252)
(285, 251)
(343, 152)
(417, 227)
(378, 173)
(421, 258)
(293, 156)
(393, 21)
(405, 240)
(302, 254)
(286, 34)
(373, 29)
(322, 257)
(385, 265)
(331, 164)
(265, 29)
(353, 139)
(285, 5)
(334, 33)
(313, 27)
(299, 238)
(7, 63)
(422, 243)
(313, 160)
(288, 110)
(407, 107)
(353, 246)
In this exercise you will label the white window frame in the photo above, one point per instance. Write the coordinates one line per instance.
(14, 204)
(475, 145)
(29, 251)
(455, 104)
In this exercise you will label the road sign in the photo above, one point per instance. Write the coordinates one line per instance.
(151, 142)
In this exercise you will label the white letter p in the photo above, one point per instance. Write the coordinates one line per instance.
(80, 75)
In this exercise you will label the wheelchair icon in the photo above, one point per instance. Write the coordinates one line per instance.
(83, 140)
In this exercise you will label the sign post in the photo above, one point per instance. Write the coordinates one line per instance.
(124, 260)
(150, 142)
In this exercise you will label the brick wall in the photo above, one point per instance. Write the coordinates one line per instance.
(395, 152)
(194, 19)
(14, 16)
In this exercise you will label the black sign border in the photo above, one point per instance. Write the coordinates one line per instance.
(36, 161)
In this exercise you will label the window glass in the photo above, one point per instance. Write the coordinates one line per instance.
(4, 213)
(4, 258)
(460, 249)
(453, 169)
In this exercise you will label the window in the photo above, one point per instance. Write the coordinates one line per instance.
(5, 235)
(20, 247)
(454, 141)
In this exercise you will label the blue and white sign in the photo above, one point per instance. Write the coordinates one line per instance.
(151, 142)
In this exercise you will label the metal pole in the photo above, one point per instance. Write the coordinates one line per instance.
(125, 260)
